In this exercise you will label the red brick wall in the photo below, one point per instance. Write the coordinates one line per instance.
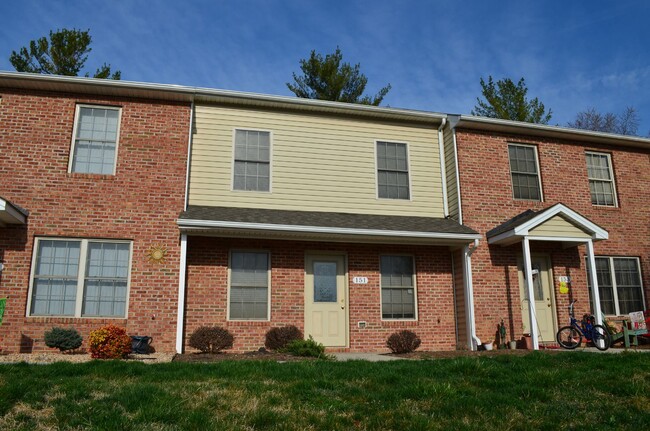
(140, 203)
(486, 193)
(207, 291)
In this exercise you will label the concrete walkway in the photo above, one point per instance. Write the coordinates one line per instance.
(371, 357)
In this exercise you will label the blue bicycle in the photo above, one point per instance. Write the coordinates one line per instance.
(570, 337)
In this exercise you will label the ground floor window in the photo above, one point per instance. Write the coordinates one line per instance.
(80, 278)
(619, 285)
(249, 285)
(397, 287)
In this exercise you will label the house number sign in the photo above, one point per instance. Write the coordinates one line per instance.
(360, 280)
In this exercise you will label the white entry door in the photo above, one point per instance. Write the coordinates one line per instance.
(542, 290)
(325, 299)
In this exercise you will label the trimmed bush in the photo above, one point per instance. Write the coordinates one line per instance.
(403, 342)
(278, 338)
(109, 342)
(63, 339)
(309, 347)
(211, 339)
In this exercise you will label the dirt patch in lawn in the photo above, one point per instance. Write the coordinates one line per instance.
(248, 356)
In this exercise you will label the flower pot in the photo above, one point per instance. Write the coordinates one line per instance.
(513, 345)
(528, 341)
(488, 346)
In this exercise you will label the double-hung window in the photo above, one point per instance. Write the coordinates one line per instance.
(80, 278)
(619, 285)
(392, 171)
(601, 179)
(249, 285)
(252, 164)
(94, 145)
(397, 287)
(524, 170)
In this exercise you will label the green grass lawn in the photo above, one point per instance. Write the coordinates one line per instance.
(536, 391)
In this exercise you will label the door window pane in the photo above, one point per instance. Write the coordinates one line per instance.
(325, 282)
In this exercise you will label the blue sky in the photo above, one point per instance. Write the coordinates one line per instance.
(573, 55)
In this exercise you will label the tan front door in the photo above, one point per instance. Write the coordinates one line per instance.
(542, 284)
(325, 299)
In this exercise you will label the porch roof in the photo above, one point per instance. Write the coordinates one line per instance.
(558, 223)
(323, 226)
(11, 213)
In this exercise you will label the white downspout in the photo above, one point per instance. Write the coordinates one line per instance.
(443, 170)
(472, 340)
(180, 316)
(182, 270)
(460, 206)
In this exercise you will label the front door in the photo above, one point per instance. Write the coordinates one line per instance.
(325, 299)
(542, 290)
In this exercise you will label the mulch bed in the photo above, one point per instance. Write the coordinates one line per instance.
(248, 356)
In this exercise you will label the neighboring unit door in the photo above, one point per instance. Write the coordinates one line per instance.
(542, 290)
(325, 299)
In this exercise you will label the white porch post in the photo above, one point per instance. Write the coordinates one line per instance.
(181, 295)
(528, 272)
(593, 279)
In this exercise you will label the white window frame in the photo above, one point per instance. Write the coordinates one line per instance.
(232, 160)
(74, 135)
(612, 271)
(539, 172)
(415, 292)
(81, 277)
(611, 174)
(268, 294)
(408, 172)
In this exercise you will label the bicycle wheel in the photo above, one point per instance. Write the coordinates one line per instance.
(569, 337)
(600, 337)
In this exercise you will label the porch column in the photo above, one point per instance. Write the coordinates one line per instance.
(528, 273)
(593, 279)
(180, 318)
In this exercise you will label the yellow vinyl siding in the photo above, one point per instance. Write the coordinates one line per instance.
(559, 227)
(450, 172)
(318, 163)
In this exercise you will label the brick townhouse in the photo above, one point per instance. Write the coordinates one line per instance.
(543, 197)
(164, 208)
(92, 179)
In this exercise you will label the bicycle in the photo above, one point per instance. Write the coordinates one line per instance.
(570, 337)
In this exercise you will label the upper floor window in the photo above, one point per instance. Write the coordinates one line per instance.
(94, 146)
(80, 278)
(524, 170)
(249, 285)
(601, 179)
(619, 284)
(392, 171)
(252, 164)
(397, 287)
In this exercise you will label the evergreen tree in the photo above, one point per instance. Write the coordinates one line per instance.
(507, 100)
(65, 53)
(331, 79)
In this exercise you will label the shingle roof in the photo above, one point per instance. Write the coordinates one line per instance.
(326, 219)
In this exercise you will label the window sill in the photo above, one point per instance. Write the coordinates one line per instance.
(92, 176)
(248, 322)
(74, 319)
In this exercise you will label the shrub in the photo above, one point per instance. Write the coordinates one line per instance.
(309, 347)
(278, 338)
(63, 339)
(403, 341)
(211, 339)
(109, 342)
